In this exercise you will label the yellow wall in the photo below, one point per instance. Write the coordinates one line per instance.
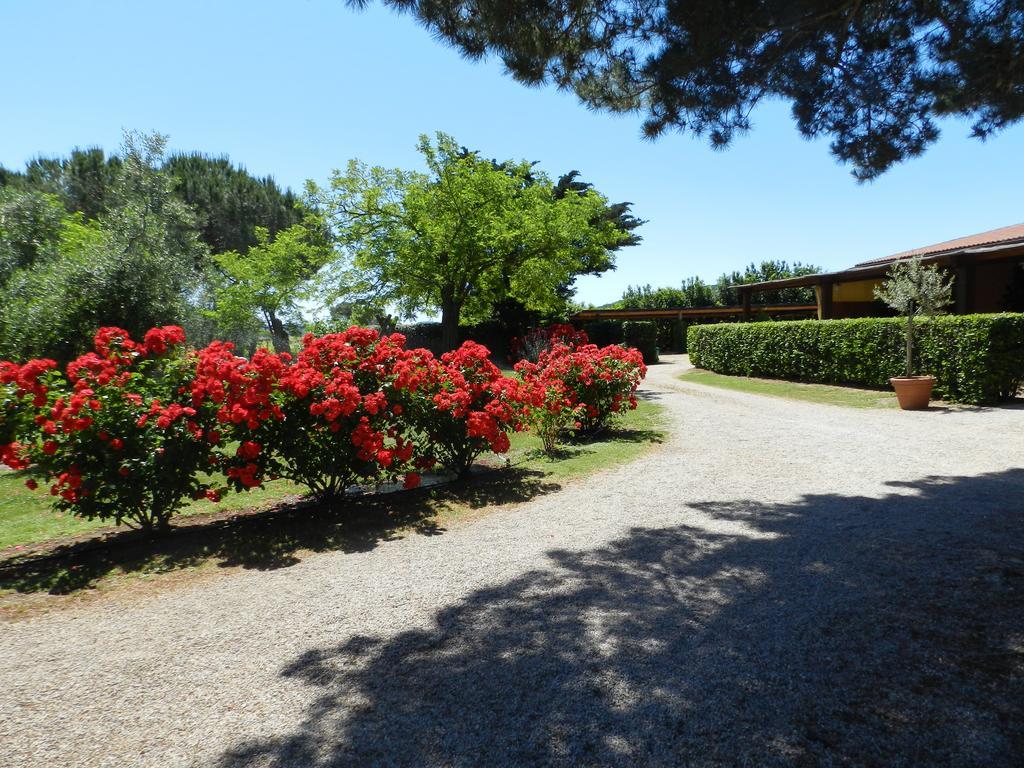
(860, 290)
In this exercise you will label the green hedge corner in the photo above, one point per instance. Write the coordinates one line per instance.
(642, 335)
(975, 359)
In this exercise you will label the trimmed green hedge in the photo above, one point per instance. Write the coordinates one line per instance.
(975, 358)
(671, 333)
(603, 332)
(642, 335)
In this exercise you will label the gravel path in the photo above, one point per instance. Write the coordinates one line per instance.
(780, 583)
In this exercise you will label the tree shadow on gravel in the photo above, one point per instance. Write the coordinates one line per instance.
(267, 539)
(831, 631)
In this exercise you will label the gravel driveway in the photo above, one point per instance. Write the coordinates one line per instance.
(779, 583)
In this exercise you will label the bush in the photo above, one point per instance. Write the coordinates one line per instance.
(676, 336)
(975, 359)
(329, 420)
(538, 340)
(115, 436)
(642, 335)
(132, 431)
(469, 408)
(584, 385)
(428, 335)
(604, 332)
(548, 408)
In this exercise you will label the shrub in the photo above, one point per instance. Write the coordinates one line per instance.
(429, 336)
(128, 433)
(23, 391)
(975, 359)
(470, 408)
(676, 335)
(539, 340)
(547, 407)
(115, 435)
(329, 420)
(595, 383)
(604, 332)
(642, 335)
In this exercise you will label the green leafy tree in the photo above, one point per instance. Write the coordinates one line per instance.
(915, 290)
(266, 285)
(515, 317)
(134, 267)
(84, 180)
(693, 293)
(699, 294)
(872, 75)
(466, 234)
(230, 203)
(30, 226)
(759, 273)
(648, 297)
(89, 180)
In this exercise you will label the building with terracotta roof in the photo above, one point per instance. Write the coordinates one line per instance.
(988, 269)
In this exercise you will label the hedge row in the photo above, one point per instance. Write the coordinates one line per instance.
(642, 335)
(977, 359)
(671, 332)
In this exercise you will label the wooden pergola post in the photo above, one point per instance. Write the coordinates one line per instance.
(823, 293)
(745, 298)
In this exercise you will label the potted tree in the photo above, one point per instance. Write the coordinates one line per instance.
(914, 290)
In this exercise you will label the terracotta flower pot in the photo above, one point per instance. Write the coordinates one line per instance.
(914, 392)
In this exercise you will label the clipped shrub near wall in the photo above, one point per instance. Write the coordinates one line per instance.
(603, 332)
(428, 336)
(975, 359)
(642, 335)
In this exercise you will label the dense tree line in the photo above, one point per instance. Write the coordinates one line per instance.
(694, 292)
(130, 239)
(139, 239)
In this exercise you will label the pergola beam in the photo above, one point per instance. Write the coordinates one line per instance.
(686, 313)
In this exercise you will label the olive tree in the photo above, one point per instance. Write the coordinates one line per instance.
(915, 290)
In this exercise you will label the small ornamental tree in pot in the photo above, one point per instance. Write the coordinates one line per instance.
(914, 290)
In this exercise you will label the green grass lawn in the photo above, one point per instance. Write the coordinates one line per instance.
(625, 439)
(26, 516)
(849, 397)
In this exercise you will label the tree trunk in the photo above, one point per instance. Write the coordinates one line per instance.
(450, 312)
(910, 346)
(279, 335)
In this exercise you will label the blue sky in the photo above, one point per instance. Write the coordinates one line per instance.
(294, 89)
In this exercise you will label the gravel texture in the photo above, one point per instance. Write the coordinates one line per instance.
(779, 583)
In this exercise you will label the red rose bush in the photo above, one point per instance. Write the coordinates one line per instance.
(470, 410)
(136, 429)
(577, 389)
(328, 420)
(115, 435)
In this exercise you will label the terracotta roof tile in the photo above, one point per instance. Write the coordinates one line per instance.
(993, 236)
